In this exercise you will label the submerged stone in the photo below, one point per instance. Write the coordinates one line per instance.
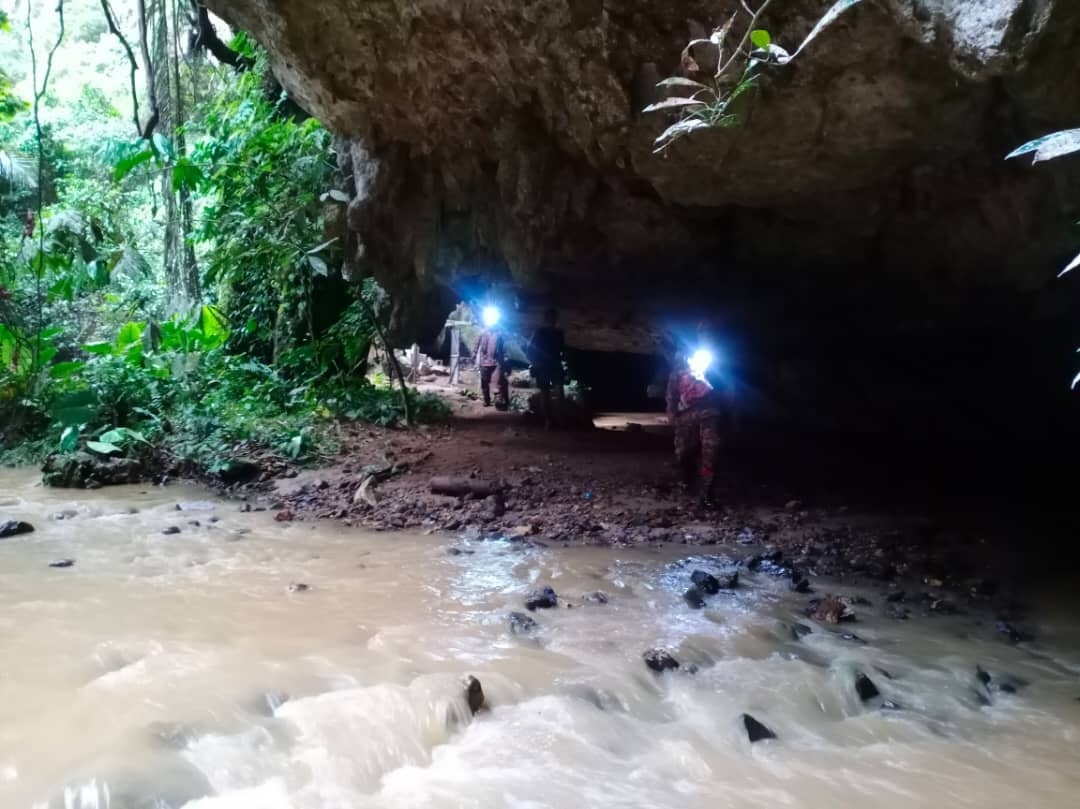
(542, 599)
(660, 660)
(706, 582)
(694, 597)
(520, 623)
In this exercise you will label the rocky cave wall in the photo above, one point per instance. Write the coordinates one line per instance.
(859, 218)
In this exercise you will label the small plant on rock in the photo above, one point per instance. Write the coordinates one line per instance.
(1049, 147)
(719, 72)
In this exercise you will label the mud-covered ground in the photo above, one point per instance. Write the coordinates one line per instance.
(616, 486)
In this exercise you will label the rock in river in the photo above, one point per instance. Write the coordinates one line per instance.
(62, 563)
(474, 694)
(831, 610)
(12, 528)
(172, 529)
(542, 599)
(660, 660)
(865, 687)
(706, 582)
(755, 730)
(694, 597)
(520, 623)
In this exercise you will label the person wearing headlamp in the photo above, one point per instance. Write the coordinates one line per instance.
(491, 360)
(694, 407)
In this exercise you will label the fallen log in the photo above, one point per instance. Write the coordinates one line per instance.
(464, 487)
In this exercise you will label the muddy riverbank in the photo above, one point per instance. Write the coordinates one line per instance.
(242, 661)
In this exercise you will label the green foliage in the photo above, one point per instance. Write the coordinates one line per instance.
(92, 356)
(263, 173)
(722, 73)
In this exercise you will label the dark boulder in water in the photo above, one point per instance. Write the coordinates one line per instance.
(542, 599)
(694, 597)
(706, 582)
(660, 660)
(832, 610)
(172, 529)
(520, 623)
(755, 730)
(12, 528)
(865, 687)
(597, 597)
(474, 694)
(62, 563)
(799, 631)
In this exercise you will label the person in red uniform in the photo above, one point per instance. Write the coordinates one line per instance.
(694, 407)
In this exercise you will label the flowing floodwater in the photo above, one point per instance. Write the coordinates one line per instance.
(166, 671)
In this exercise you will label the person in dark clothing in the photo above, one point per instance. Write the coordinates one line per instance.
(546, 354)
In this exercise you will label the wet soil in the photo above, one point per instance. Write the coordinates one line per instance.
(784, 512)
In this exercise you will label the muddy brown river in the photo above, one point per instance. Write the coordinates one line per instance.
(167, 671)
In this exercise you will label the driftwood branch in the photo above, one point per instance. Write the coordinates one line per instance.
(464, 487)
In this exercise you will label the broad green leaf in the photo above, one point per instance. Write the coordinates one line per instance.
(98, 349)
(186, 174)
(761, 38)
(112, 437)
(1056, 144)
(130, 333)
(318, 266)
(102, 448)
(64, 370)
(673, 103)
(69, 439)
(125, 165)
(213, 323)
(1072, 266)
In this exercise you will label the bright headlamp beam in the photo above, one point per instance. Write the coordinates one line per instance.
(699, 362)
(491, 315)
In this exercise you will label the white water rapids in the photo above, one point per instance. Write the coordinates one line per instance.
(168, 671)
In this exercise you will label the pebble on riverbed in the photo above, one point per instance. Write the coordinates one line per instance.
(660, 660)
(694, 597)
(172, 529)
(299, 587)
(520, 623)
(542, 599)
(62, 563)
